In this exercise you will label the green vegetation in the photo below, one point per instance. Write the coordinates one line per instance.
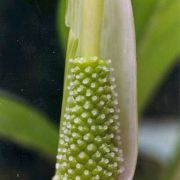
(24, 125)
(158, 47)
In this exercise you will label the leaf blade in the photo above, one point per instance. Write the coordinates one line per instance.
(25, 126)
(143, 11)
(158, 49)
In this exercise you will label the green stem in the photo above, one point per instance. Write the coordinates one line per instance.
(90, 37)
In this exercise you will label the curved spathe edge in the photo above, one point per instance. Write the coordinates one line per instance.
(118, 44)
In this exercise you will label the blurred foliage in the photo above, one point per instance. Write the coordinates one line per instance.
(148, 168)
(158, 46)
(158, 43)
(172, 170)
(24, 125)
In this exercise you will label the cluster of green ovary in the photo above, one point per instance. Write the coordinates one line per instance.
(90, 142)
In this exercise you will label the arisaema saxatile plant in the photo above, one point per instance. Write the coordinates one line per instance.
(98, 133)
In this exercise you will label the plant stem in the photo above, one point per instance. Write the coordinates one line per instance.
(90, 37)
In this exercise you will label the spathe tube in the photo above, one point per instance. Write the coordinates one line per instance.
(117, 43)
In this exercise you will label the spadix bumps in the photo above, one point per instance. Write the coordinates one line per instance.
(90, 142)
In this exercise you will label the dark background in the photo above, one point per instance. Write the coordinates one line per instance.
(32, 67)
